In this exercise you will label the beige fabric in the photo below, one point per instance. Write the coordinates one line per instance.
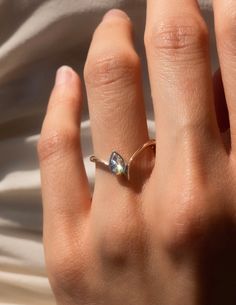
(36, 37)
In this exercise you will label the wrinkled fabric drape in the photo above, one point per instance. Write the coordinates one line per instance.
(36, 37)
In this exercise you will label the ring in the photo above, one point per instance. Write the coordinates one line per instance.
(117, 164)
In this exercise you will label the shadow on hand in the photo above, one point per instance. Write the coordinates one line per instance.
(217, 263)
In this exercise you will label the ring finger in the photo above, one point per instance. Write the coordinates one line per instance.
(115, 97)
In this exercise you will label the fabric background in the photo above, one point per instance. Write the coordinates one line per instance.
(36, 37)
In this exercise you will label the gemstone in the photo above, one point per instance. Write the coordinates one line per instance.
(117, 164)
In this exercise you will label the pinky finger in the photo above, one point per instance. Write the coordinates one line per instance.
(65, 188)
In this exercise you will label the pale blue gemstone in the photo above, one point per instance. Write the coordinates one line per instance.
(117, 164)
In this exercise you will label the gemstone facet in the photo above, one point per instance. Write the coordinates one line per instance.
(117, 164)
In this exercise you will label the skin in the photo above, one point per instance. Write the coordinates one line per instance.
(169, 235)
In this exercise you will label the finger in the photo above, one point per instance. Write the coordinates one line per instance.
(176, 40)
(225, 27)
(65, 189)
(114, 89)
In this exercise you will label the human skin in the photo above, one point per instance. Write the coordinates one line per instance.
(168, 239)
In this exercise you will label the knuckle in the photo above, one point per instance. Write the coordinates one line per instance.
(61, 267)
(67, 264)
(65, 271)
(190, 219)
(111, 68)
(173, 36)
(56, 143)
(68, 260)
(118, 242)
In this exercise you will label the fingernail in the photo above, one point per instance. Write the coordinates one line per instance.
(116, 13)
(64, 75)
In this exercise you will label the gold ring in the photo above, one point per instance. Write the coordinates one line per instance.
(117, 164)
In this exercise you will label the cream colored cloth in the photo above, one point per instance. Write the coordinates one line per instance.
(36, 37)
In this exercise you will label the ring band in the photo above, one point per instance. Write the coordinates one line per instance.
(116, 163)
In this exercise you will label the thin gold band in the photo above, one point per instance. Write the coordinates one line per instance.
(125, 171)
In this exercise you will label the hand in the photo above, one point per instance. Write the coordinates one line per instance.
(169, 238)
